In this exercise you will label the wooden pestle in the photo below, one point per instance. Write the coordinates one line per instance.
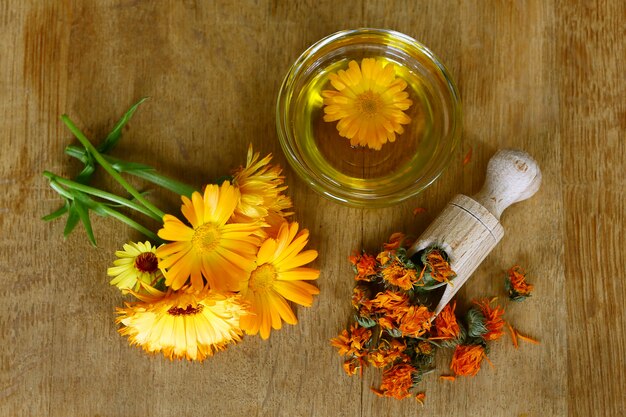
(469, 228)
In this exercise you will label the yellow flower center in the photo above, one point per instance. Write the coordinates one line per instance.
(369, 103)
(262, 278)
(206, 237)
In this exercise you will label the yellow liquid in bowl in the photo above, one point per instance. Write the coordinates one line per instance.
(358, 166)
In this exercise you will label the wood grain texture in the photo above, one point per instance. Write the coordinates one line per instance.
(542, 76)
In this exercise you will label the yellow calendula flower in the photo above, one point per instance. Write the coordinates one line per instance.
(182, 324)
(212, 249)
(279, 276)
(135, 264)
(261, 187)
(369, 103)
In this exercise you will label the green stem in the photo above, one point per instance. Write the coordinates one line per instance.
(148, 173)
(113, 213)
(130, 222)
(107, 167)
(101, 194)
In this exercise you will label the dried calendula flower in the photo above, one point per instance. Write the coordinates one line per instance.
(516, 285)
(467, 359)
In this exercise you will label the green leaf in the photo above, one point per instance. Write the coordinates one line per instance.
(83, 213)
(57, 213)
(113, 137)
(72, 220)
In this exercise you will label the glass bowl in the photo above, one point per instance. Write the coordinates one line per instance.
(354, 173)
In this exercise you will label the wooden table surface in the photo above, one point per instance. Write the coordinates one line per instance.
(543, 76)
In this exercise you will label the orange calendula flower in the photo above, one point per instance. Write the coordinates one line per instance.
(369, 103)
(211, 249)
(387, 303)
(396, 382)
(353, 365)
(387, 353)
(415, 321)
(261, 187)
(182, 324)
(364, 266)
(466, 360)
(358, 296)
(494, 323)
(446, 326)
(398, 275)
(352, 343)
(438, 267)
(279, 275)
(516, 284)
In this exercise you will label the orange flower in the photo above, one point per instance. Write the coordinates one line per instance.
(260, 185)
(466, 359)
(438, 267)
(279, 275)
(210, 248)
(494, 323)
(358, 296)
(516, 284)
(415, 321)
(396, 240)
(397, 381)
(369, 103)
(387, 353)
(397, 275)
(446, 325)
(364, 266)
(352, 343)
(388, 302)
(351, 366)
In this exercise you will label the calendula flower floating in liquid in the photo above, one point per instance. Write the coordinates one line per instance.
(395, 329)
(233, 264)
(137, 263)
(279, 276)
(368, 102)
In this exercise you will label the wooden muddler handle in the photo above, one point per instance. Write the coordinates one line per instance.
(469, 228)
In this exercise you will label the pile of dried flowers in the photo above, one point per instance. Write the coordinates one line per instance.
(231, 266)
(394, 326)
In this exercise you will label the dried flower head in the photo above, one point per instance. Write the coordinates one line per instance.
(369, 103)
(388, 352)
(448, 331)
(437, 267)
(516, 285)
(466, 359)
(494, 323)
(415, 321)
(396, 274)
(364, 267)
(353, 343)
(396, 382)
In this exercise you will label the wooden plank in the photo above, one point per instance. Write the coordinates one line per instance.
(593, 122)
